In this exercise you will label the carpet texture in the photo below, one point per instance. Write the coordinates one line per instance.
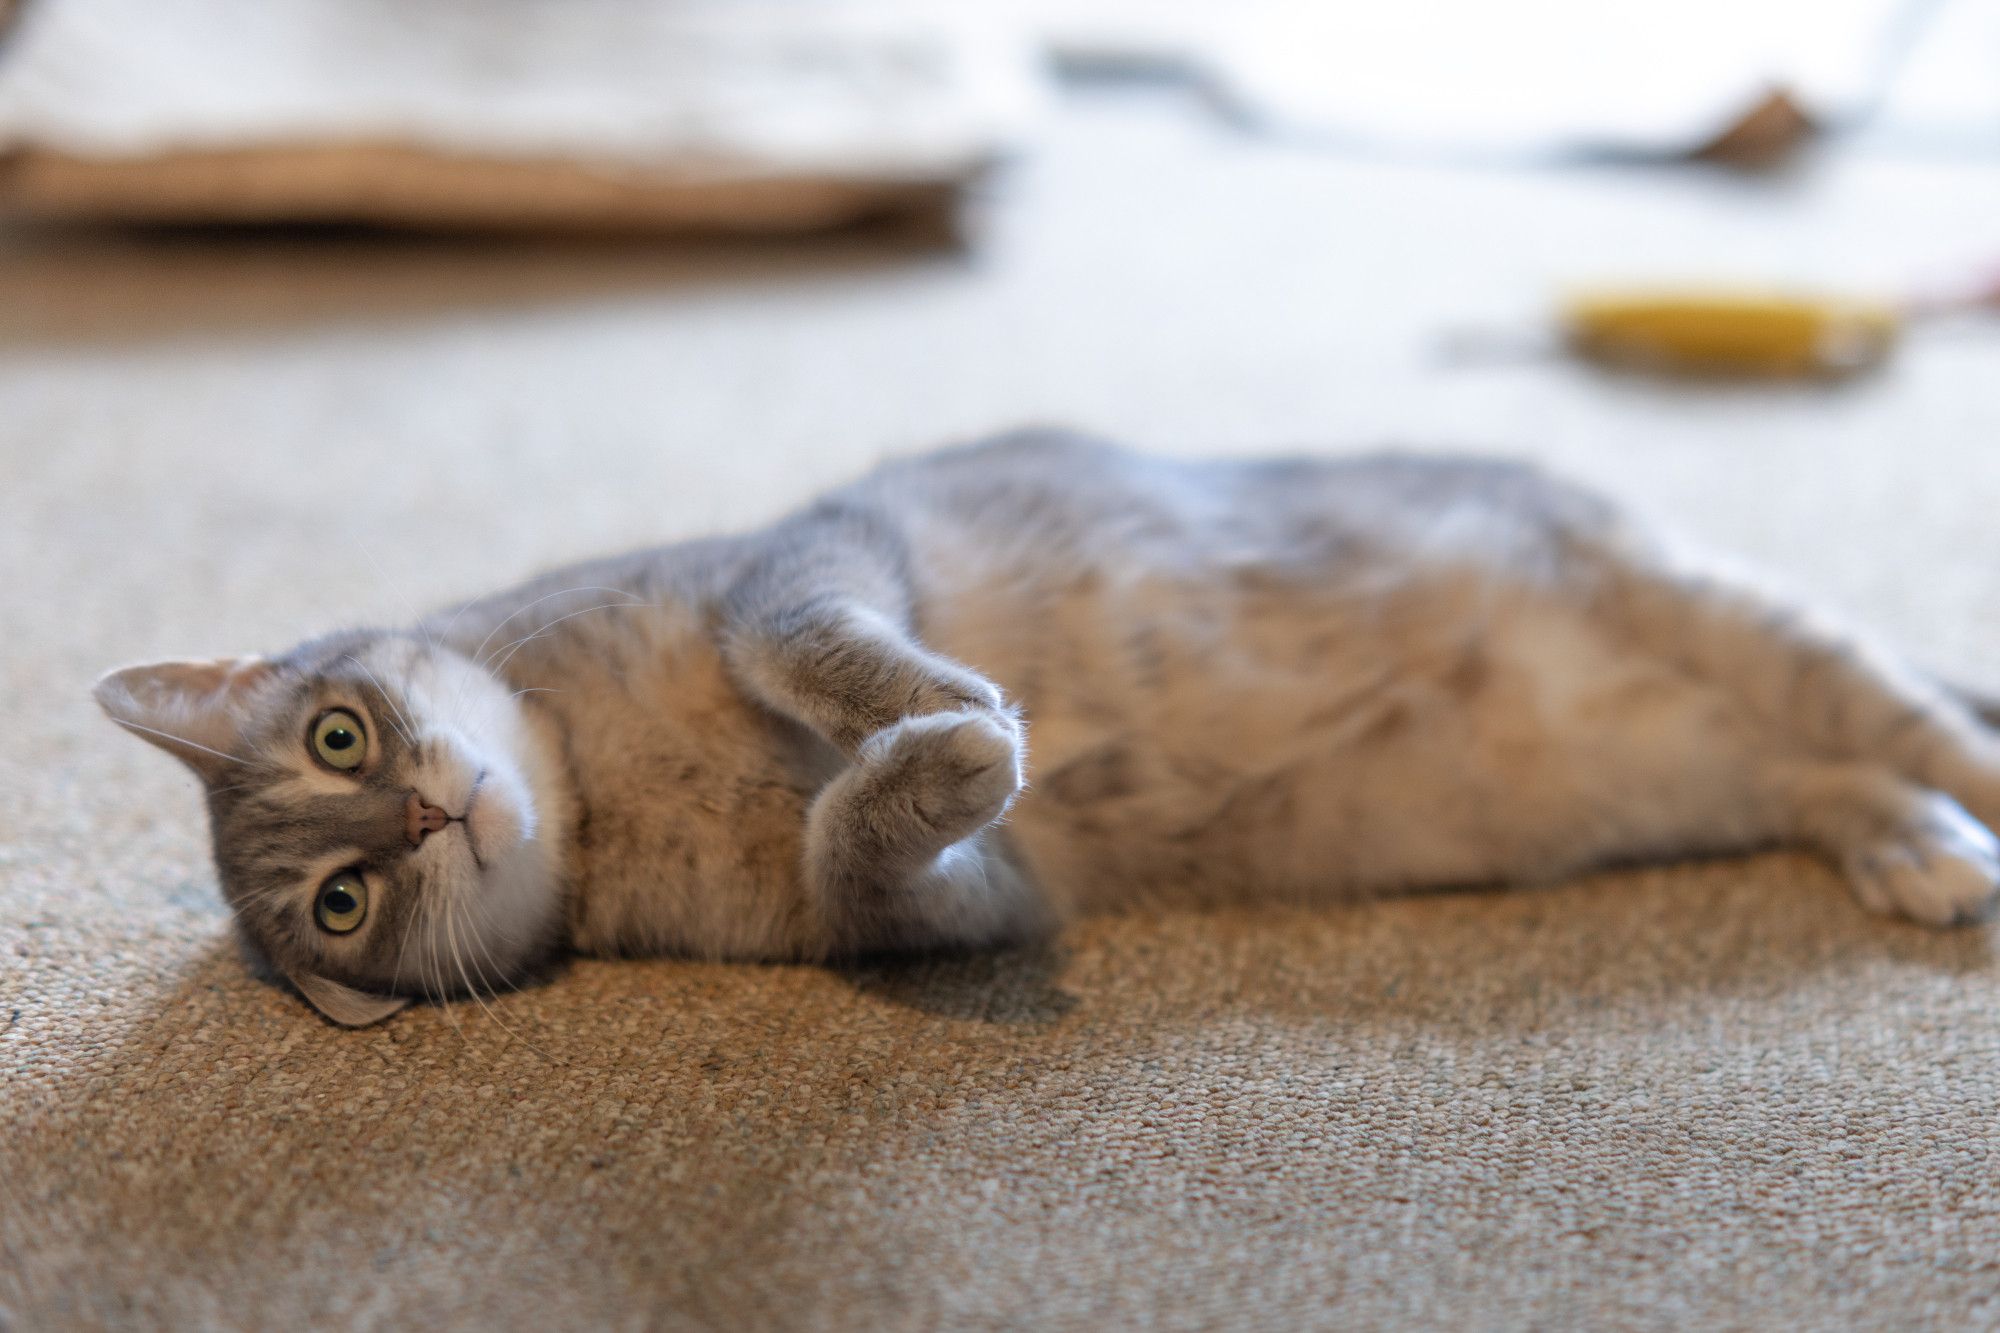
(1697, 1096)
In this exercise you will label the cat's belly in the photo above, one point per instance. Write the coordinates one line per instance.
(1514, 755)
(693, 807)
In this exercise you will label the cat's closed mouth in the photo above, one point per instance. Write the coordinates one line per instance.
(464, 819)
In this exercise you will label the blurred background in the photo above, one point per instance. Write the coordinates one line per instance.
(316, 310)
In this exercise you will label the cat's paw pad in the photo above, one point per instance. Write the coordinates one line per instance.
(959, 769)
(1943, 871)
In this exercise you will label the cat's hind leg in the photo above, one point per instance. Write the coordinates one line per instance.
(1905, 849)
(1823, 688)
(1628, 757)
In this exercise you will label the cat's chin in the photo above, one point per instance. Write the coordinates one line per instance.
(517, 868)
(498, 822)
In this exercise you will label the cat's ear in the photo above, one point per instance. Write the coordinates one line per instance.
(190, 708)
(345, 1005)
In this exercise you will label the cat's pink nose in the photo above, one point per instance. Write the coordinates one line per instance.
(420, 819)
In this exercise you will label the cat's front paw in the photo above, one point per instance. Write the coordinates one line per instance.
(957, 771)
(1942, 872)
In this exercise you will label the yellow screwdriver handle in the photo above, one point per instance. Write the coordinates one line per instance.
(1725, 333)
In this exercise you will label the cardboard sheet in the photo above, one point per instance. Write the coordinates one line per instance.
(622, 113)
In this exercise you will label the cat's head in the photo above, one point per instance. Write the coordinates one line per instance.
(389, 820)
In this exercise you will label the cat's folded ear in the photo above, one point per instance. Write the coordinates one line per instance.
(345, 1005)
(189, 708)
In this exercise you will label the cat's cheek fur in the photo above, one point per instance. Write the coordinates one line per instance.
(493, 765)
(519, 881)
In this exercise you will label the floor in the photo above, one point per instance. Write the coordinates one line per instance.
(1714, 1095)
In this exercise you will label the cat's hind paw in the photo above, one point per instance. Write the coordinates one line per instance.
(1942, 871)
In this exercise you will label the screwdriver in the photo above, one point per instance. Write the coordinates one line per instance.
(1733, 332)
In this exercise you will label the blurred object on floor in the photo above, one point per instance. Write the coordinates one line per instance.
(697, 114)
(1735, 81)
(1748, 334)
(1728, 332)
(1764, 136)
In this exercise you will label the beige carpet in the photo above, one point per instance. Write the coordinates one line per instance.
(1714, 1097)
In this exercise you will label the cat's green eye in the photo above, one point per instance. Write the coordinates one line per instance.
(338, 740)
(342, 902)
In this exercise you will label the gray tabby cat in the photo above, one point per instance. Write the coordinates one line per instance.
(1294, 678)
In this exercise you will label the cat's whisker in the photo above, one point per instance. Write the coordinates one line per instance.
(475, 654)
(463, 959)
(444, 987)
(444, 635)
(416, 621)
(267, 894)
(431, 976)
(514, 987)
(417, 909)
(130, 725)
(487, 713)
(509, 649)
(451, 942)
(486, 949)
(405, 726)
(459, 959)
(518, 644)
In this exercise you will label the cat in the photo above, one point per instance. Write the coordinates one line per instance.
(1297, 678)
